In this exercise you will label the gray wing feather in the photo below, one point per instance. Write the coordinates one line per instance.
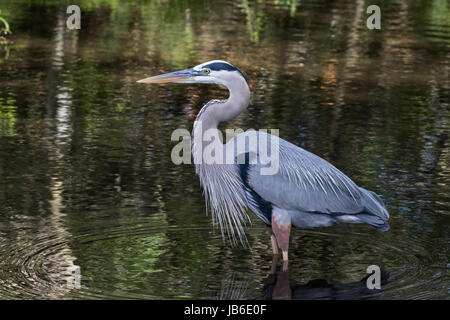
(308, 183)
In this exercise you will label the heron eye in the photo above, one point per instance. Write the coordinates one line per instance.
(207, 71)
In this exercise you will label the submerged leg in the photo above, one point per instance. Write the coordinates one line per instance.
(273, 241)
(272, 277)
(281, 226)
(282, 289)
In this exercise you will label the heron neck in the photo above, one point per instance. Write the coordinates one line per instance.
(217, 111)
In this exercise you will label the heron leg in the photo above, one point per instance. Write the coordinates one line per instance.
(281, 226)
(272, 277)
(273, 241)
(282, 289)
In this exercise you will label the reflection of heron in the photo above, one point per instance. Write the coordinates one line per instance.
(279, 286)
(232, 288)
(305, 192)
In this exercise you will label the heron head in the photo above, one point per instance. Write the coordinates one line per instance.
(215, 71)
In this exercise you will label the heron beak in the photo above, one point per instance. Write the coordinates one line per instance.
(181, 76)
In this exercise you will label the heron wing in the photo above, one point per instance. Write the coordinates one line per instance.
(307, 183)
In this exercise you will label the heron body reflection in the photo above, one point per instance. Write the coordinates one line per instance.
(279, 286)
(305, 192)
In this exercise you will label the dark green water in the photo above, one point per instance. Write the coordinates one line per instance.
(86, 177)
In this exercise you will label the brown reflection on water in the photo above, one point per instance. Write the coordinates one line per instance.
(85, 172)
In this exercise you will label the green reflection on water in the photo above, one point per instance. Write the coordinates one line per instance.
(8, 116)
(373, 103)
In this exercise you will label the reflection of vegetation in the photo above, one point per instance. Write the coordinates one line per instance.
(312, 76)
(7, 52)
(255, 18)
(431, 18)
(439, 17)
(125, 259)
(4, 29)
(7, 117)
(125, 249)
(169, 25)
(257, 15)
(289, 4)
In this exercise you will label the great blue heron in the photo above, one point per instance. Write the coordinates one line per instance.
(305, 192)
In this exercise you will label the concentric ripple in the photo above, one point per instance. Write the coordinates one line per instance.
(142, 258)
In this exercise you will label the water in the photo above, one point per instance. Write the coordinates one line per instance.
(86, 179)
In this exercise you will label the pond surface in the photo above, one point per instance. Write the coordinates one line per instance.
(86, 178)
